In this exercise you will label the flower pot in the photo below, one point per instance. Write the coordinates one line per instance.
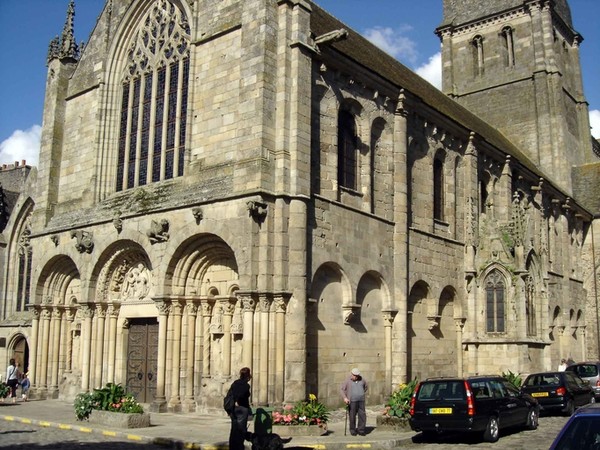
(119, 420)
(300, 430)
(393, 423)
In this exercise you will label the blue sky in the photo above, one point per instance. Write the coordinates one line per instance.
(403, 28)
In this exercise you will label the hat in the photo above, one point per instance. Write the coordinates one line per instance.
(355, 372)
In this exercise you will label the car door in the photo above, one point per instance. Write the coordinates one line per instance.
(504, 402)
(517, 404)
(581, 392)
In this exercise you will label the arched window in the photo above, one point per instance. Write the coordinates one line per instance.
(509, 46)
(438, 189)
(477, 44)
(530, 306)
(24, 253)
(347, 150)
(153, 113)
(495, 295)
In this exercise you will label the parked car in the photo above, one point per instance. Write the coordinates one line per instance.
(558, 391)
(582, 430)
(482, 404)
(590, 372)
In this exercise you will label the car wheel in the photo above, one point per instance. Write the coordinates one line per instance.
(492, 430)
(533, 419)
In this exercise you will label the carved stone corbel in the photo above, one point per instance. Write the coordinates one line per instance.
(257, 210)
(159, 231)
(198, 214)
(118, 224)
(350, 312)
(85, 241)
(54, 239)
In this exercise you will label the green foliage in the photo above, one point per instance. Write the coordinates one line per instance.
(399, 402)
(307, 412)
(513, 378)
(111, 397)
(4, 390)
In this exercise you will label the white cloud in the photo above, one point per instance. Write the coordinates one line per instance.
(432, 70)
(22, 145)
(595, 122)
(393, 43)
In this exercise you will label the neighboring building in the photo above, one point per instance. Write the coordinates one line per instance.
(250, 183)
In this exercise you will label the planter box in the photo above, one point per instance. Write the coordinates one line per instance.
(393, 423)
(119, 420)
(300, 430)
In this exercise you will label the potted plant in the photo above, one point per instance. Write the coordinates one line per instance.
(111, 405)
(396, 413)
(306, 418)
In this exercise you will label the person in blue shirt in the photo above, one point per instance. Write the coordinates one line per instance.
(25, 385)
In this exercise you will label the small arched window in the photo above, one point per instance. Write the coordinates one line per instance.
(438, 189)
(509, 46)
(152, 129)
(495, 291)
(477, 45)
(347, 150)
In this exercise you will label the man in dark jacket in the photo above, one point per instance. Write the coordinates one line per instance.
(239, 417)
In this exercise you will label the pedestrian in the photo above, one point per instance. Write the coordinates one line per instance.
(353, 392)
(239, 416)
(563, 365)
(12, 378)
(25, 385)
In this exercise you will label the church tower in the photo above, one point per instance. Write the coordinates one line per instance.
(515, 63)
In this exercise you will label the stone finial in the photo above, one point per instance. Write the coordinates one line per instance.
(69, 48)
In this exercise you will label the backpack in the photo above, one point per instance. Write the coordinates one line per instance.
(229, 402)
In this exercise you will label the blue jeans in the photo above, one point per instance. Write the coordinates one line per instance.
(239, 426)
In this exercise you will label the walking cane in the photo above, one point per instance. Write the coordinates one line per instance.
(346, 421)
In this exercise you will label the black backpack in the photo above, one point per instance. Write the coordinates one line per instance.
(229, 402)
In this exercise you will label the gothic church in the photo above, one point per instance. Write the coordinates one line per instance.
(252, 183)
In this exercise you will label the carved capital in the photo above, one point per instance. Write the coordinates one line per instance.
(350, 312)
(388, 316)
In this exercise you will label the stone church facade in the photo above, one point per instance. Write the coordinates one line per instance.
(251, 183)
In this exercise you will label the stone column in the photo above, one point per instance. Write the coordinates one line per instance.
(400, 237)
(46, 314)
(459, 324)
(388, 322)
(86, 342)
(248, 307)
(56, 332)
(99, 351)
(33, 354)
(70, 315)
(207, 306)
(191, 309)
(582, 341)
(263, 351)
(113, 314)
(176, 313)
(159, 404)
(280, 306)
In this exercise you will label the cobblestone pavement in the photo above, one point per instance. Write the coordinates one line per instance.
(20, 436)
(513, 439)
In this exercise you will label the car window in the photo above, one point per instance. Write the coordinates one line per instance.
(582, 433)
(498, 389)
(510, 389)
(442, 390)
(546, 379)
(586, 370)
(481, 389)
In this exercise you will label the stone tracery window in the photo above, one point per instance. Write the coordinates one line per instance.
(152, 129)
(495, 295)
(24, 268)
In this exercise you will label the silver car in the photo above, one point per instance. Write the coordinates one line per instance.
(590, 372)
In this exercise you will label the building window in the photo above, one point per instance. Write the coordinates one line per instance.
(509, 46)
(530, 306)
(152, 131)
(438, 189)
(495, 294)
(347, 150)
(24, 269)
(477, 44)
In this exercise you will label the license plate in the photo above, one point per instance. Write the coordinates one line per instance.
(440, 410)
(539, 394)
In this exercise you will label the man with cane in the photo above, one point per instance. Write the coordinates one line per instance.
(353, 392)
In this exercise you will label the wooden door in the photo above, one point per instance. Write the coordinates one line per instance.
(142, 358)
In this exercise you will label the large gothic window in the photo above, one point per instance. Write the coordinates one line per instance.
(23, 281)
(494, 295)
(152, 130)
(438, 189)
(347, 150)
